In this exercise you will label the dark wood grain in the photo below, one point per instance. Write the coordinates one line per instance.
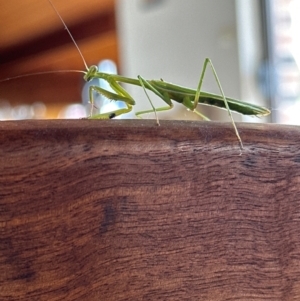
(126, 210)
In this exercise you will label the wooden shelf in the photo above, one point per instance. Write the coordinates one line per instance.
(36, 41)
(126, 210)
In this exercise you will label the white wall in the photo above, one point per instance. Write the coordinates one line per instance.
(250, 46)
(170, 39)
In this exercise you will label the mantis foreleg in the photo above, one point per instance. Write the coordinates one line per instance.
(120, 95)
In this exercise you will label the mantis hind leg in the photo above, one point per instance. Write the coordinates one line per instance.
(197, 95)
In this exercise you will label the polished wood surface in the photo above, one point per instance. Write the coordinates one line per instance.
(126, 210)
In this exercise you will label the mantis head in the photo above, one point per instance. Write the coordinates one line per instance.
(91, 73)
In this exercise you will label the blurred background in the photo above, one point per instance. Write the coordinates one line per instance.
(253, 44)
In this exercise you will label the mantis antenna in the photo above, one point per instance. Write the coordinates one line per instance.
(67, 29)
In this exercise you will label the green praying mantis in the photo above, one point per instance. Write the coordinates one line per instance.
(189, 98)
